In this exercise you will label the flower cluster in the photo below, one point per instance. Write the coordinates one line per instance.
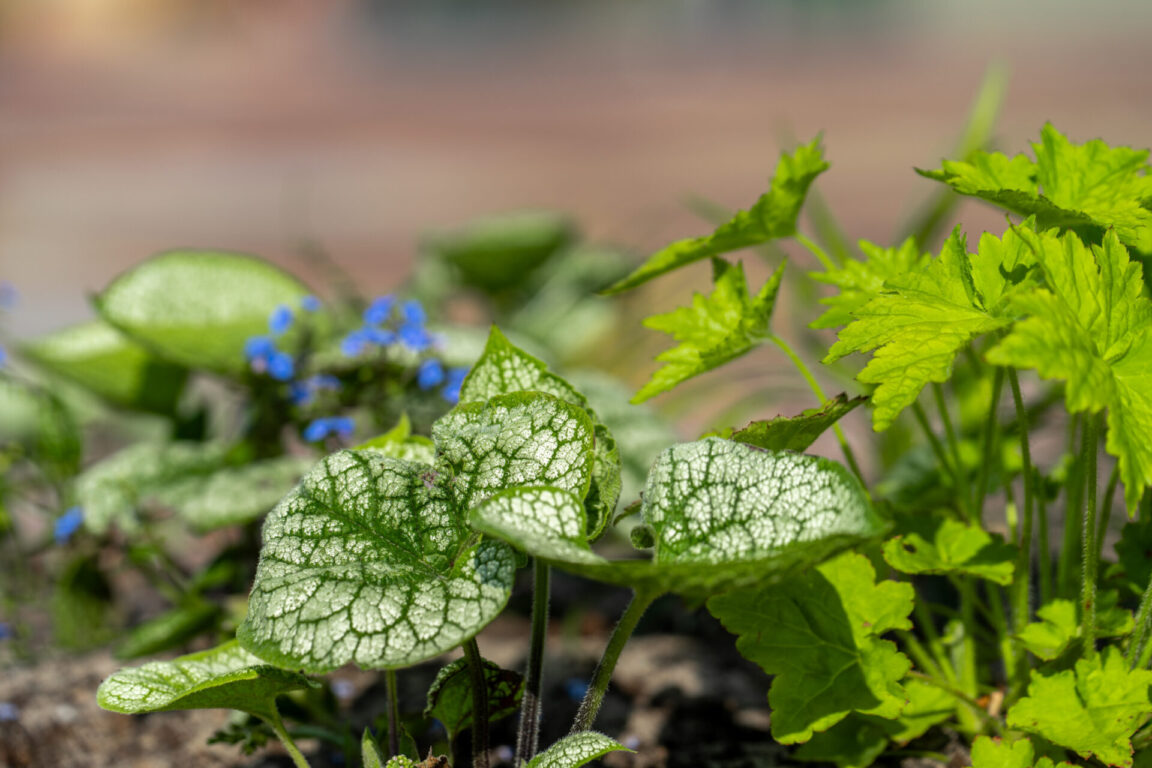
(262, 353)
(337, 426)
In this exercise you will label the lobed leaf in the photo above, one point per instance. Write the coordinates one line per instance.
(198, 308)
(819, 634)
(861, 281)
(715, 329)
(576, 750)
(225, 677)
(1059, 625)
(997, 753)
(772, 216)
(949, 546)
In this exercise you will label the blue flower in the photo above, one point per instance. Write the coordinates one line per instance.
(259, 348)
(280, 320)
(380, 310)
(353, 344)
(414, 312)
(455, 379)
(5, 631)
(281, 366)
(576, 688)
(379, 336)
(8, 295)
(340, 426)
(67, 524)
(9, 712)
(429, 374)
(310, 303)
(303, 392)
(415, 337)
(3, 356)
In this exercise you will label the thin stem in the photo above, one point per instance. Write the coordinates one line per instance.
(953, 444)
(528, 734)
(814, 385)
(273, 719)
(1143, 625)
(926, 624)
(1106, 509)
(959, 694)
(919, 654)
(1074, 487)
(937, 449)
(989, 444)
(969, 682)
(479, 705)
(1021, 582)
(590, 706)
(817, 251)
(1088, 577)
(1044, 550)
(393, 713)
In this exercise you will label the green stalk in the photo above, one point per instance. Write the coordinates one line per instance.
(814, 385)
(273, 719)
(479, 705)
(989, 445)
(953, 444)
(528, 732)
(1088, 577)
(938, 450)
(1074, 488)
(1140, 634)
(935, 645)
(590, 706)
(1044, 551)
(817, 251)
(969, 682)
(393, 713)
(1106, 509)
(1021, 582)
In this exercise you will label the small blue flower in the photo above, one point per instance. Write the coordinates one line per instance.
(281, 366)
(455, 379)
(340, 426)
(430, 374)
(5, 631)
(259, 348)
(280, 320)
(304, 392)
(415, 337)
(9, 712)
(310, 303)
(353, 344)
(8, 295)
(380, 310)
(414, 312)
(3, 356)
(379, 336)
(324, 381)
(67, 524)
(576, 688)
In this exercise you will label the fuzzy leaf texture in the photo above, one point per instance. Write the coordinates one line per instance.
(772, 216)
(198, 308)
(722, 514)
(925, 317)
(819, 634)
(1085, 187)
(1091, 327)
(450, 695)
(715, 329)
(576, 750)
(861, 281)
(1092, 710)
(504, 368)
(950, 547)
(226, 677)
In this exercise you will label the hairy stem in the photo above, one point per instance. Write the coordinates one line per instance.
(528, 733)
(1088, 577)
(393, 713)
(1021, 582)
(273, 719)
(989, 445)
(1043, 551)
(1106, 509)
(1074, 487)
(590, 706)
(479, 705)
(1143, 626)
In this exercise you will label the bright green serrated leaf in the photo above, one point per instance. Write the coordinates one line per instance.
(1093, 710)
(504, 369)
(225, 677)
(101, 359)
(919, 324)
(1060, 624)
(198, 308)
(996, 753)
(819, 634)
(1091, 327)
(368, 561)
(450, 695)
(796, 433)
(1086, 187)
(949, 546)
(576, 750)
(717, 328)
(861, 281)
(771, 217)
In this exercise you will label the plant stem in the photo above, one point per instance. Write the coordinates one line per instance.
(989, 444)
(817, 251)
(1044, 552)
(393, 713)
(590, 706)
(528, 733)
(1021, 582)
(1074, 487)
(969, 682)
(1141, 630)
(938, 451)
(928, 626)
(273, 719)
(1088, 577)
(1106, 509)
(479, 705)
(959, 694)
(953, 444)
(814, 385)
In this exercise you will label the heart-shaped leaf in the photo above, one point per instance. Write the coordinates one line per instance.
(576, 750)
(198, 308)
(225, 677)
(367, 561)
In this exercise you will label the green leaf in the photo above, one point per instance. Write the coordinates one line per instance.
(1093, 710)
(112, 490)
(919, 324)
(576, 750)
(42, 424)
(370, 749)
(951, 547)
(1091, 327)
(715, 329)
(1134, 551)
(234, 495)
(1060, 625)
(400, 443)
(504, 369)
(368, 561)
(819, 634)
(772, 216)
(996, 753)
(225, 677)
(450, 695)
(102, 360)
(861, 281)
(197, 308)
(796, 433)
(168, 630)
(721, 514)
(525, 438)
(1086, 187)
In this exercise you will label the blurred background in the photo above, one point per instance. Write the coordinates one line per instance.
(132, 126)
